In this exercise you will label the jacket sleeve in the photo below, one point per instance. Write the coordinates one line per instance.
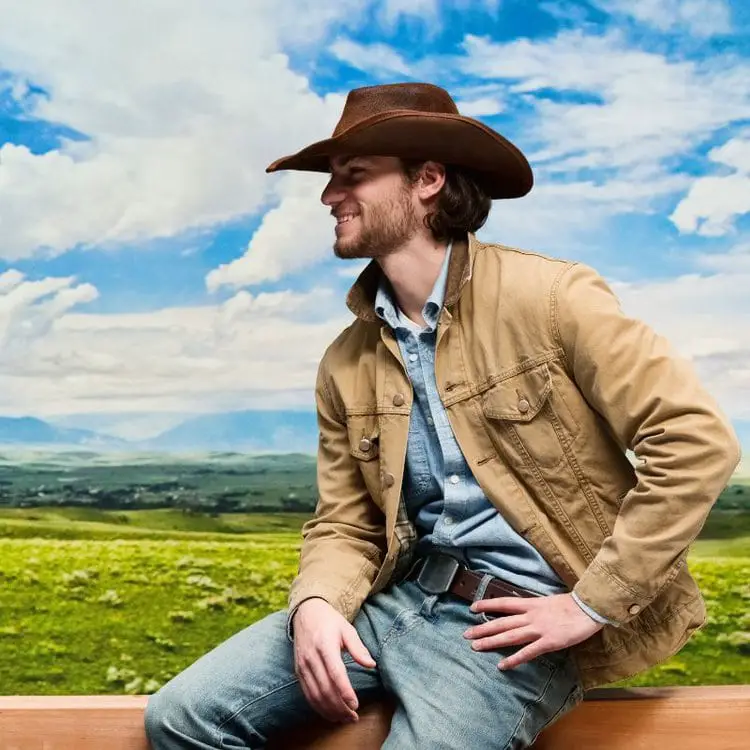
(344, 543)
(685, 448)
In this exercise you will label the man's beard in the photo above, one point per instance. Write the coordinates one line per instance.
(389, 226)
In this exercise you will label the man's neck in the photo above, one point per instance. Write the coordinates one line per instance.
(413, 271)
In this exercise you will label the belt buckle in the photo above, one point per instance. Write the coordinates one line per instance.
(437, 573)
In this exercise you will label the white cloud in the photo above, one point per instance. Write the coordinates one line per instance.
(556, 212)
(30, 309)
(250, 351)
(352, 269)
(184, 106)
(392, 11)
(294, 235)
(650, 108)
(714, 202)
(700, 17)
(376, 59)
(736, 260)
(483, 107)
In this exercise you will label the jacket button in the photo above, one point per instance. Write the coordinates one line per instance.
(523, 406)
(398, 400)
(365, 445)
(388, 479)
(634, 609)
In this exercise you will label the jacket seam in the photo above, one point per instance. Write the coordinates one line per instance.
(554, 310)
(483, 386)
(330, 401)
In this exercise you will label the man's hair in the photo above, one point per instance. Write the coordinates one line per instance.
(461, 206)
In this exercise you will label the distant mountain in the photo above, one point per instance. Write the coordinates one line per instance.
(251, 431)
(32, 431)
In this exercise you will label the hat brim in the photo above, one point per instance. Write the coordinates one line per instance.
(498, 165)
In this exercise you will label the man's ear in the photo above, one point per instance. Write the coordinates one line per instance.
(430, 180)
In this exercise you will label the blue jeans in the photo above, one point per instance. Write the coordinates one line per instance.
(448, 695)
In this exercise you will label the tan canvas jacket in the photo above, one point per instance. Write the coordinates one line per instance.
(546, 383)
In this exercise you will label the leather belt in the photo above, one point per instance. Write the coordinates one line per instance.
(440, 573)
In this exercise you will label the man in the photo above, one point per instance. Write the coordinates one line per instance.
(482, 548)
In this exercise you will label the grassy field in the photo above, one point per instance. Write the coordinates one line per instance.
(118, 602)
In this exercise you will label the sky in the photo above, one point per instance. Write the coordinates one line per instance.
(150, 269)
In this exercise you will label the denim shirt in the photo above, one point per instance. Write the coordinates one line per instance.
(443, 499)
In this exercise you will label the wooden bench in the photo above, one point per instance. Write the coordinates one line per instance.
(689, 718)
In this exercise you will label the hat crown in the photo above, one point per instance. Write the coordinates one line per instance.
(369, 101)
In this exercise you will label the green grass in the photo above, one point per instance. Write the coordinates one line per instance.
(168, 523)
(125, 615)
(119, 601)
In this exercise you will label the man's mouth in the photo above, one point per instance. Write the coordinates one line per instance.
(344, 218)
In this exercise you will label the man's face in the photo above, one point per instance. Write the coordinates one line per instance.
(373, 204)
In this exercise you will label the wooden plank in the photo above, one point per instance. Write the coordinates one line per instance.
(692, 718)
(684, 718)
(101, 722)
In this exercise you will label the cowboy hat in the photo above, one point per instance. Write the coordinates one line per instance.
(418, 121)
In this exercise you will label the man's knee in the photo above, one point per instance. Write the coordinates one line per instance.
(173, 719)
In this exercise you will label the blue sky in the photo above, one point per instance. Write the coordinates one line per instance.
(151, 269)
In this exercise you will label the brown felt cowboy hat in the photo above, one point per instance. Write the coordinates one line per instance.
(418, 121)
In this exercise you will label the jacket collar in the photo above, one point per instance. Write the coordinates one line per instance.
(361, 297)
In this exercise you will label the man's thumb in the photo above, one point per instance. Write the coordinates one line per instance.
(358, 650)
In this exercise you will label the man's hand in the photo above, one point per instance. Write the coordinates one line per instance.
(320, 633)
(545, 623)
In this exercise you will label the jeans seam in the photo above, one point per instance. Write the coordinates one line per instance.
(247, 705)
(575, 692)
(392, 631)
(524, 713)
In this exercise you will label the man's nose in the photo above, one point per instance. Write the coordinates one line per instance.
(332, 194)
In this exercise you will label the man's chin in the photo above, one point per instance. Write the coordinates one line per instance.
(347, 251)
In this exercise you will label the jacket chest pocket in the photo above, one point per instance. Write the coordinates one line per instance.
(364, 448)
(528, 420)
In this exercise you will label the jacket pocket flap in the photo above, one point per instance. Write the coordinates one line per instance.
(364, 437)
(519, 398)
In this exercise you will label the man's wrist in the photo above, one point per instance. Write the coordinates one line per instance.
(293, 613)
(595, 616)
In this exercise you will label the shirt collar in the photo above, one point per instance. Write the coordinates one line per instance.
(387, 310)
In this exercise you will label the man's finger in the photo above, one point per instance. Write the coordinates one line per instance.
(329, 693)
(511, 638)
(311, 691)
(512, 604)
(341, 683)
(522, 656)
(353, 644)
(498, 625)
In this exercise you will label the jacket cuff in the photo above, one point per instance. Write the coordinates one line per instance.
(591, 613)
(608, 596)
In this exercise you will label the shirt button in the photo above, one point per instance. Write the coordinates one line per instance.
(413, 357)
(523, 406)
(365, 445)
(455, 479)
(430, 420)
(398, 400)
(634, 609)
(388, 479)
(448, 520)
